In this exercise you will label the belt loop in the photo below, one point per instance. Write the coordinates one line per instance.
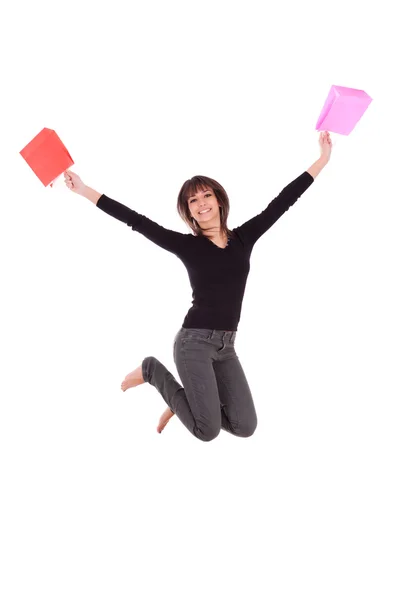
(212, 334)
(232, 337)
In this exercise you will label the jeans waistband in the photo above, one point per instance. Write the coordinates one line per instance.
(220, 334)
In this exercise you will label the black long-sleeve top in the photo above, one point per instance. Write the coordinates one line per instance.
(217, 275)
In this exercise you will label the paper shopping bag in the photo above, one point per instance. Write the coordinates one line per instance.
(47, 156)
(342, 110)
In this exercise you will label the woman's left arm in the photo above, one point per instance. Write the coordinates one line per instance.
(255, 227)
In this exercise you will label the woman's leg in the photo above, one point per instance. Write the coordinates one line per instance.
(237, 407)
(196, 402)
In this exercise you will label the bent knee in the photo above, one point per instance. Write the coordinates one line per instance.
(246, 430)
(208, 433)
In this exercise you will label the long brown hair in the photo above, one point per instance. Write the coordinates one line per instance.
(191, 187)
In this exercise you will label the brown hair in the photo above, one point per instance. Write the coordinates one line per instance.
(191, 187)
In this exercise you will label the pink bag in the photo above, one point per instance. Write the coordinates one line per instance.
(342, 110)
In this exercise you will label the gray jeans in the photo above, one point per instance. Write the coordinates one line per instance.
(214, 393)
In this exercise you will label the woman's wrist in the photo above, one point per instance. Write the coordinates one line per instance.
(90, 194)
(317, 167)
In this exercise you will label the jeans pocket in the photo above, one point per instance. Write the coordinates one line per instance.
(195, 340)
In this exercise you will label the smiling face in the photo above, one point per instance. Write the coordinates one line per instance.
(197, 195)
(204, 207)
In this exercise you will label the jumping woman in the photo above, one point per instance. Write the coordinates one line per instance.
(214, 392)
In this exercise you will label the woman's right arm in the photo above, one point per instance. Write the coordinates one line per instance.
(173, 241)
(111, 207)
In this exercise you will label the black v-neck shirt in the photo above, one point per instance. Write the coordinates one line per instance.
(217, 275)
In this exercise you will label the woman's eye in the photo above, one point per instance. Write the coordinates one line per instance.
(194, 199)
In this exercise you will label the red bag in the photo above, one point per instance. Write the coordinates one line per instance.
(47, 156)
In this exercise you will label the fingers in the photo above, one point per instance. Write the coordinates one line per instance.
(68, 179)
(71, 180)
(324, 137)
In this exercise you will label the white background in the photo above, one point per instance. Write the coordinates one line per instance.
(94, 503)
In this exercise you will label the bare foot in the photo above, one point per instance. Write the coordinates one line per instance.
(165, 417)
(133, 379)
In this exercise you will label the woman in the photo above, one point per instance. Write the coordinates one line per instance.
(214, 393)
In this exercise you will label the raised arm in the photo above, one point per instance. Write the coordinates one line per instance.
(253, 229)
(173, 241)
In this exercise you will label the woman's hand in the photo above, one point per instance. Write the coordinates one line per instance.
(325, 143)
(74, 182)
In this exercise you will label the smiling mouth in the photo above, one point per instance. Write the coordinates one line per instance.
(203, 212)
